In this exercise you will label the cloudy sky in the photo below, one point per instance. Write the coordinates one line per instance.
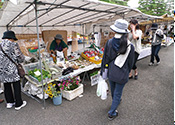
(133, 3)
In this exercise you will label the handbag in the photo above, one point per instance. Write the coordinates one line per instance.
(20, 69)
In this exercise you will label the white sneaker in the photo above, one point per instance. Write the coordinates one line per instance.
(158, 63)
(151, 64)
(24, 104)
(1, 91)
(116, 111)
(10, 105)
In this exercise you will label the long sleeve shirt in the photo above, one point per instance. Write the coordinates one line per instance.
(8, 70)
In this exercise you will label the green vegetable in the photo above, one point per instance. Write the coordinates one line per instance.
(46, 74)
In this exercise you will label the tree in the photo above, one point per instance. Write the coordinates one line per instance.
(152, 7)
(119, 2)
(1, 4)
(170, 7)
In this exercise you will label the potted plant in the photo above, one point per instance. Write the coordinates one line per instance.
(71, 87)
(53, 90)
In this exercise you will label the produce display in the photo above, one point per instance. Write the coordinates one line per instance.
(72, 57)
(83, 63)
(92, 56)
(36, 73)
(53, 68)
(56, 70)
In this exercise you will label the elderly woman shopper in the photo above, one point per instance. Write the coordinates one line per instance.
(8, 70)
(118, 58)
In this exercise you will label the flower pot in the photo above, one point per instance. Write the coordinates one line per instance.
(57, 100)
(70, 95)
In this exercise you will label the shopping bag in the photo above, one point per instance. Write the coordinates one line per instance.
(102, 88)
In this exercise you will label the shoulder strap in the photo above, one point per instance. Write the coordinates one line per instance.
(117, 55)
(8, 56)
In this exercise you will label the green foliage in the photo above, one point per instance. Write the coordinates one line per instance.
(118, 2)
(94, 73)
(170, 7)
(1, 4)
(152, 7)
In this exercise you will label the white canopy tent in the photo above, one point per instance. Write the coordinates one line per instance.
(63, 14)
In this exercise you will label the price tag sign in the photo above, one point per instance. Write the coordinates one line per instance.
(94, 79)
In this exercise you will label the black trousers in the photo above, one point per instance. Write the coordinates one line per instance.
(9, 96)
(135, 61)
(154, 52)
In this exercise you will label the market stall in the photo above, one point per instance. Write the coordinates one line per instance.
(165, 23)
(70, 14)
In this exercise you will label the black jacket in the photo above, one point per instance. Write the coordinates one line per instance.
(116, 74)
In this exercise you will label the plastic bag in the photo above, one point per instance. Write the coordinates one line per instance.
(102, 88)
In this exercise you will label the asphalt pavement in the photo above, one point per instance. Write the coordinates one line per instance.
(146, 101)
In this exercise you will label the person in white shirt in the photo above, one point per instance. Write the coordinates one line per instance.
(135, 38)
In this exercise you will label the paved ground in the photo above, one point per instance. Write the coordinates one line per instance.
(147, 101)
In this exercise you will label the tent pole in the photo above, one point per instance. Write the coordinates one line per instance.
(7, 27)
(83, 38)
(39, 53)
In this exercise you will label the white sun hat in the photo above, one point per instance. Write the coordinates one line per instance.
(120, 26)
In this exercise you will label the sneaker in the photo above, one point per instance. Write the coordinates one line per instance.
(1, 91)
(10, 105)
(117, 111)
(24, 104)
(158, 63)
(112, 117)
(151, 64)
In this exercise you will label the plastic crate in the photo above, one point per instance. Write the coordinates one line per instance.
(70, 95)
(31, 66)
(92, 59)
(37, 82)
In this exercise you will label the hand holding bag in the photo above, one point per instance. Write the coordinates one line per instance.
(102, 88)
(20, 69)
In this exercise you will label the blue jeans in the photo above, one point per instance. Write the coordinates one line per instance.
(116, 92)
(154, 52)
